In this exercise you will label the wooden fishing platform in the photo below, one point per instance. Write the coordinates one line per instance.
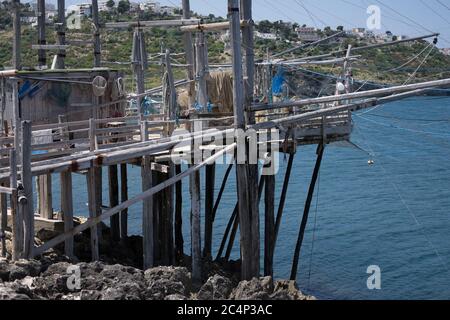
(53, 143)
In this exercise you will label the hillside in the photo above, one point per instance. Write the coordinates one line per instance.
(374, 65)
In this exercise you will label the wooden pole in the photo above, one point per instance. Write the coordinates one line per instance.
(147, 205)
(113, 187)
(221, 190)
(42, 56)
(17, 63)
(282, 199)
(67, 209)
(201, 60)
(93, 180)
(249, 84)
(179, 242)
(139, 63)
(301, 232)
(195, 226)
(188, 49)
(66, 195)
(4, 221)
(269, 223)
(97, 44)
(210, 177)
(123, 198)
(92, 200)
(17, 221)
(249, 228)
(27, 183)
(61, 32)
(45, 201)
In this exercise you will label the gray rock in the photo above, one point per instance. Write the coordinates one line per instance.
(4, 269)
(287, 290)
(159, 289)
(216, 288)
(255, 289)
(127, 291)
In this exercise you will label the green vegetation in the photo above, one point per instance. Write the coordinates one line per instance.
(116, 47)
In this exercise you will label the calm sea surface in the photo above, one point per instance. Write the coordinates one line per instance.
(394, 214)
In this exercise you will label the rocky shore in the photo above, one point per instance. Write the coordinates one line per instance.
(54, 276)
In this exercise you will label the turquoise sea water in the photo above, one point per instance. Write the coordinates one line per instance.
(394, 213)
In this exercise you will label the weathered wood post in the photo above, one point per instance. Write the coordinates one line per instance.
(4, 221)
(67, 209)
(27, 183)
(179, 241)
(66, 195)
(210, 177)
(194, 187)
(249, 84)
(123, 198)
(42, 56)
(17, 219)
(188, 49)
(269, 222)
(17, 63)
(61, 33)
(170, 102)
(44, 191)
(147, 205)
(139, 63)
(97, 44)
(201, 61)
(113, 187)
(93, 197)
(249, 232)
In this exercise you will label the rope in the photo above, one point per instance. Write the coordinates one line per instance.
(403, 201)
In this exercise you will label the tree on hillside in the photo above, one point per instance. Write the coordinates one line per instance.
(123, 6)
(110, 4)
(340, 28)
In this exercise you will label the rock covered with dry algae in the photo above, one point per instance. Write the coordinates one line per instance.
(33, 279)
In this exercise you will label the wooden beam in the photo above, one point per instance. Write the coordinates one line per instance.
(3, 221)
(45, 200)
(269, 223)
(151, 24)
(201, 63)
(282, 202)
(43, 47)
(179, 241)
(249, 245)
(92, 201)
(123, 198)
(355, 95)
(210, 177)
(147, 206)
(27, 183)
(67, 209)
(211, 27)
(17, 220)
(113, 186)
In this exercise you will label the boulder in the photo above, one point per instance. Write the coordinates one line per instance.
(255, 289)
(216, 288)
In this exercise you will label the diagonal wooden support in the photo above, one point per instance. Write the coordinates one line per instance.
(301, 232)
